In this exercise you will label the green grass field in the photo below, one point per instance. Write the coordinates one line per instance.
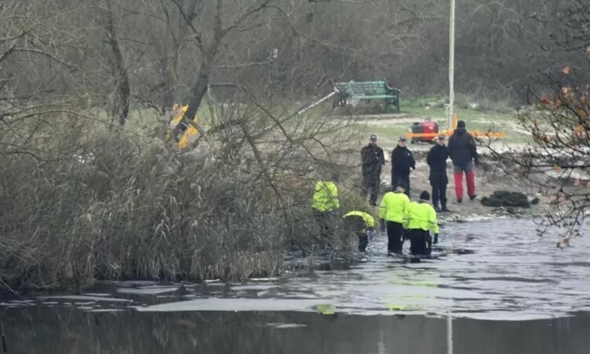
(415, 110)
(370, 120)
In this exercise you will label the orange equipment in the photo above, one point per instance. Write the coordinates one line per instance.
(448, 133)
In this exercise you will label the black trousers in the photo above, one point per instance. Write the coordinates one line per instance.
(325, 222)
(356, 225)
(421, 242)
(439, 181)
(371, 183)
(363, 241)
(395, 237)
(396, 179)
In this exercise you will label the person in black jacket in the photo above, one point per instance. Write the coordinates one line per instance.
(437, 160)
(463, 153)
(402, 161)
(372, 160)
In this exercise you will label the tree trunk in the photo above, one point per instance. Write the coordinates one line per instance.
(200, 88)
(197, 94)
(123, 87)
(168, 82)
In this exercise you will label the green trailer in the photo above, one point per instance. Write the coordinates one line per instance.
(370, 91)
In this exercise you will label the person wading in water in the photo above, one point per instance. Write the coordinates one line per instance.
(394, 209)
(421, 221)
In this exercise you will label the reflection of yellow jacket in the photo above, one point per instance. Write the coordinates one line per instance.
(325, 197)
(422, 216)
(394, 207)
(368, 219)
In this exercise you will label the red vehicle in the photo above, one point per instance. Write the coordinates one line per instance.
(426, 127)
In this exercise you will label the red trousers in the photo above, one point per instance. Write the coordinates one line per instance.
(470, 177)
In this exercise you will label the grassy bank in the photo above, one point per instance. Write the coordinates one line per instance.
(478, 116)
(80, 201)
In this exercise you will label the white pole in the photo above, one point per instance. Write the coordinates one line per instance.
(451, 66)
(449, 333)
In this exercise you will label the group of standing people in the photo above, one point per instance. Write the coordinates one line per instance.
(399, 217)
(373, 158)
(408, 220)
(403, 219)
(461, 149)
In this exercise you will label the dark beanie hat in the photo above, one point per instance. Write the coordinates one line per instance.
(424, 195)
(461, 124)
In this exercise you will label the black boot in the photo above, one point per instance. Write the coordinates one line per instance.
(445, 209)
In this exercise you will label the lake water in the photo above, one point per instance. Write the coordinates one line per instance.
(499, 289)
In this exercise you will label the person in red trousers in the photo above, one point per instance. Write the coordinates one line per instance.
(463, 153)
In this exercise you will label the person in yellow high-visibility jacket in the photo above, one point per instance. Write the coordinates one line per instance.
(362, 225)
(421, 221)
(394, 210)
(325, 205)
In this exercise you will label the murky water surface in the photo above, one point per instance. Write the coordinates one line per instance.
(506, 290)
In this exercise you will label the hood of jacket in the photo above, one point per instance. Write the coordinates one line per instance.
(460, 131)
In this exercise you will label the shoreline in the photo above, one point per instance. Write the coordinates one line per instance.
(293, 264)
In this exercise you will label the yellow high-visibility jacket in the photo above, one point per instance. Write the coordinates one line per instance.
(394, 207)
(325, 197)
(422, 216)
(368, 219)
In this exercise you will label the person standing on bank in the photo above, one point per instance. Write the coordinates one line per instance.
(422, 221)
(394, 209)
(372, 159)
(463, 153)
(437, 160)
(402, 161)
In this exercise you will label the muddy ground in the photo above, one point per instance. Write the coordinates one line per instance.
(488, 179)
(486, 183)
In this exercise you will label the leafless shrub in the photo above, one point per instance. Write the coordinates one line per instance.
(556, 163)
(80, 202)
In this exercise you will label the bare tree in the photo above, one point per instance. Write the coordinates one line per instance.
(37, 68)
(557, 162)
(209, 46)
(122, 96)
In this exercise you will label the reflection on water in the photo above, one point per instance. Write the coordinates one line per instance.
(508, 291)
(493, 269)
(64, 331)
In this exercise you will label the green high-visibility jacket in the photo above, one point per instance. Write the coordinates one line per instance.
(368, 219)
(422, 216)
(325, 197)
(394, 207)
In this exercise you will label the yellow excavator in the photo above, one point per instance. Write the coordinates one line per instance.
(190, 133)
